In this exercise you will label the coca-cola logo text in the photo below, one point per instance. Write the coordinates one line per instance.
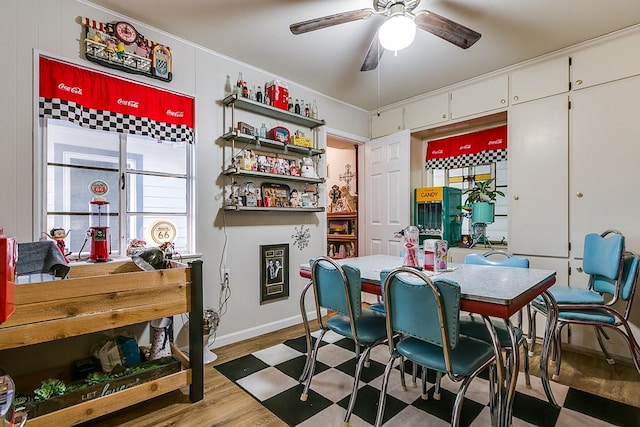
(440, 151)
(75, 90)
(175, 113)
(465, 147)
(128, 103)
(495, 142)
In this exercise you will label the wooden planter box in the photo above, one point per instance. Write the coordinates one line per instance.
(167, 366)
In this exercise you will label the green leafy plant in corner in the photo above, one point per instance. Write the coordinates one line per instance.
(482, 192)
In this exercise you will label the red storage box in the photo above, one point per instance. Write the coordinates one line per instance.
(8, 257)
(278, 93)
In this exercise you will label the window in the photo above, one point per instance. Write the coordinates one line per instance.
(463, 179)
(148, 181)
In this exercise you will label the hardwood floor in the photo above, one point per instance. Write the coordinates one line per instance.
(225, 404)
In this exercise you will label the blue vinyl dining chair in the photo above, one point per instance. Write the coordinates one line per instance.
(338, 288)
(608, 298)
(425, 314)
(472, 326)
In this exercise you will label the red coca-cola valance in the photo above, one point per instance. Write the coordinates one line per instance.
(472, 149)
(105, 102)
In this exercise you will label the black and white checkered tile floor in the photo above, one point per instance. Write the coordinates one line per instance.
(271, 377)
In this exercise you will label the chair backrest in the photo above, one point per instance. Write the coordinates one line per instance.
(422, 308)
(629, 279)
(337, 287)
(509, 260)
(602, 260)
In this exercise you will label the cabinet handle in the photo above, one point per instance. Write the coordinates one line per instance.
(515, 98)
(579, 194)
(444, 116)
(579, 269)
(578, 82)
(502, 101)
(516, 197)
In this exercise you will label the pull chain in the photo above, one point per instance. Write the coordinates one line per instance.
(378, 77)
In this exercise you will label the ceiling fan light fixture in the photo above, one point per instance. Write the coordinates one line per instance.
(397, 32)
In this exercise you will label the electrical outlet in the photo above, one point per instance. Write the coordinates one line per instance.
(225, 274)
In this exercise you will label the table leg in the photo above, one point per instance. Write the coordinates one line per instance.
(549, 339)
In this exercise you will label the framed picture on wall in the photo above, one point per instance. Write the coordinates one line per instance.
(274, 272)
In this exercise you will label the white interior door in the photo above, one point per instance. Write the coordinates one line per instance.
(388, 195)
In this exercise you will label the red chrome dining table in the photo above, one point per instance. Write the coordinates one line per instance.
(498, 292)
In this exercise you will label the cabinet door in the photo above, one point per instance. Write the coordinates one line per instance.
(611, 60)
(538, 177)
(487, 95)
(604, 162)
(540, 80)
(426, 112)
(388, 122)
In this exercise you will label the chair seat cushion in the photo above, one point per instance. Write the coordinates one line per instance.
(593, 315)
(370, 326)
(475, 327)
(569, 295)
(378, 307)
(468, 356)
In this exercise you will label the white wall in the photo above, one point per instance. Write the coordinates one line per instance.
(53, 27)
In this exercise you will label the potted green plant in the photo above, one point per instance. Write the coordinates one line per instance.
(481, 198)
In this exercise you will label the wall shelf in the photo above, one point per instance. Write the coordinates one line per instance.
(269, 111)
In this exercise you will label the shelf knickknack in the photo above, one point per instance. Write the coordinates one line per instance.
(120, 46)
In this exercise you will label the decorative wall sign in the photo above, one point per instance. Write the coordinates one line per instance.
(119, 45)
(301, 237)
(274, 272)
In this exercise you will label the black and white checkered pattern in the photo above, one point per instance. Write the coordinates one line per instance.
(271, 377)
(113, 122)
(481, 158)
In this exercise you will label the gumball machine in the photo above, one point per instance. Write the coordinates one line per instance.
(99, 223)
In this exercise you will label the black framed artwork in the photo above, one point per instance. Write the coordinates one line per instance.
(274, 272)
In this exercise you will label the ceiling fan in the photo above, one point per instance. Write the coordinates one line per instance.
(397, 10)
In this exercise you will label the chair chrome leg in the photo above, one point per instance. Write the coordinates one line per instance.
(436, 388)
(356, 379)
(600, 333)
(383, 390)
(312, 366)
(403, 383)
(423, 377)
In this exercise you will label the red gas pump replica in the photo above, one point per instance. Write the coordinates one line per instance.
(99, 222)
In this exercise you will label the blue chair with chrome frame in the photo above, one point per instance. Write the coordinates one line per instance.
(426, 314)
(338, 288)
(608, 298)
(473, 327)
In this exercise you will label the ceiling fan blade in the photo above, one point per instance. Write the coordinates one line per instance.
(373, 55)
(446, 29)
(330, 21)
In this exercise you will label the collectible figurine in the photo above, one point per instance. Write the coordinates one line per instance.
(294, 201)
(59, 234)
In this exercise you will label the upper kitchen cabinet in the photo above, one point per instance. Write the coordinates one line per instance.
(538, 177)
(387, 122)
(605, 62)
(539, 80)
(604, 161)
(483, 96)
(426, 112)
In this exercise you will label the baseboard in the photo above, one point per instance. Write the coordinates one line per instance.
(222, 340)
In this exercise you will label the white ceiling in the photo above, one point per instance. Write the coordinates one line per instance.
(256, 32)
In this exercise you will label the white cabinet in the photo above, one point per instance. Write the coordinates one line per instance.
(538, 177)
(539, 80)
(605, 62)
(388, 122)
(483, 96)
(426, 112)
(604, 162)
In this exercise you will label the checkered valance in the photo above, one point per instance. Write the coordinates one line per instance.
(105, 102)
(478, 148)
